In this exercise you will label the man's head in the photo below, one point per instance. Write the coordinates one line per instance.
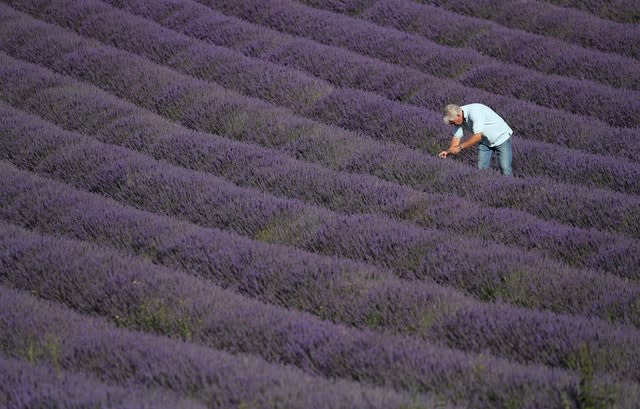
(453, 115)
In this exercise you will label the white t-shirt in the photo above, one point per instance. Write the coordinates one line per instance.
(479, 118)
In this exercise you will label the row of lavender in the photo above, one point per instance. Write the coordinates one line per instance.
(583, 22)
(139, 295)
(158, 368)
(359, 295)
(114, 121)
(343, 68)
(152, 313)
(25, 384)
(413, 267)
(182, 98)
(42, 140)
(470, 68)
(355, 110)
(507, 45)
(487, 270)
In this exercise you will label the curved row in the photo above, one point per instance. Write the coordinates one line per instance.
(219, 378)
(117, 122)
(344, 68)
(334, 289)
(412, 126)
(221, 111)
(487, 270)
(564, 23)
(98, 280)
(153, 298)
(23, 384)
(157, 300)
(355, 110)
(507, 45)
(470, 68)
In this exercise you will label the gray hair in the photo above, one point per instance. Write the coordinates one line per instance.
(450, 112)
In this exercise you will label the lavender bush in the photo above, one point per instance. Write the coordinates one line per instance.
(26, 385)
(375, 116)
(507, 45)
(219, 31)
(347, 69)
(472, 69)
(286, 177)
(503, 273)
(272, 123)
(153, 299)
(238, 204)
(218, 378)
(539, 159)
(624, 11)
(564, 23)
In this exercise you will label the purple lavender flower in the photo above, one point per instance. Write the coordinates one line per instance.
(252, 197)
(565, 23)
(472, 69)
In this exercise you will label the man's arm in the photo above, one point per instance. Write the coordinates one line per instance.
(474, 139)
(455, 146)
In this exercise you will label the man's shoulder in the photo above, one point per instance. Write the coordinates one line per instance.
(476, 106)
(477, 110)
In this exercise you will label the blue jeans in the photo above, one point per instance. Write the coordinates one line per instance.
(504, 156)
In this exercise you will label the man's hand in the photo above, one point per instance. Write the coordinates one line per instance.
(452, 150)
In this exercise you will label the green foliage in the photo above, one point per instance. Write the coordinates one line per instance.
(158, 316)
(46, 349)
(289, 231)
(375, 319)
(418, 213)
(590, 395)
(440, 403)
(512, 288)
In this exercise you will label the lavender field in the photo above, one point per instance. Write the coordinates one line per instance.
(239, 204)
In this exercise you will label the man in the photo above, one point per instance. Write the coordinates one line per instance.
(488, 130)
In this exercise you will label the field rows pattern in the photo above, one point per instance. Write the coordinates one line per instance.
(284, 176)
(469, 67)
(222, 203)
(172, 95)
